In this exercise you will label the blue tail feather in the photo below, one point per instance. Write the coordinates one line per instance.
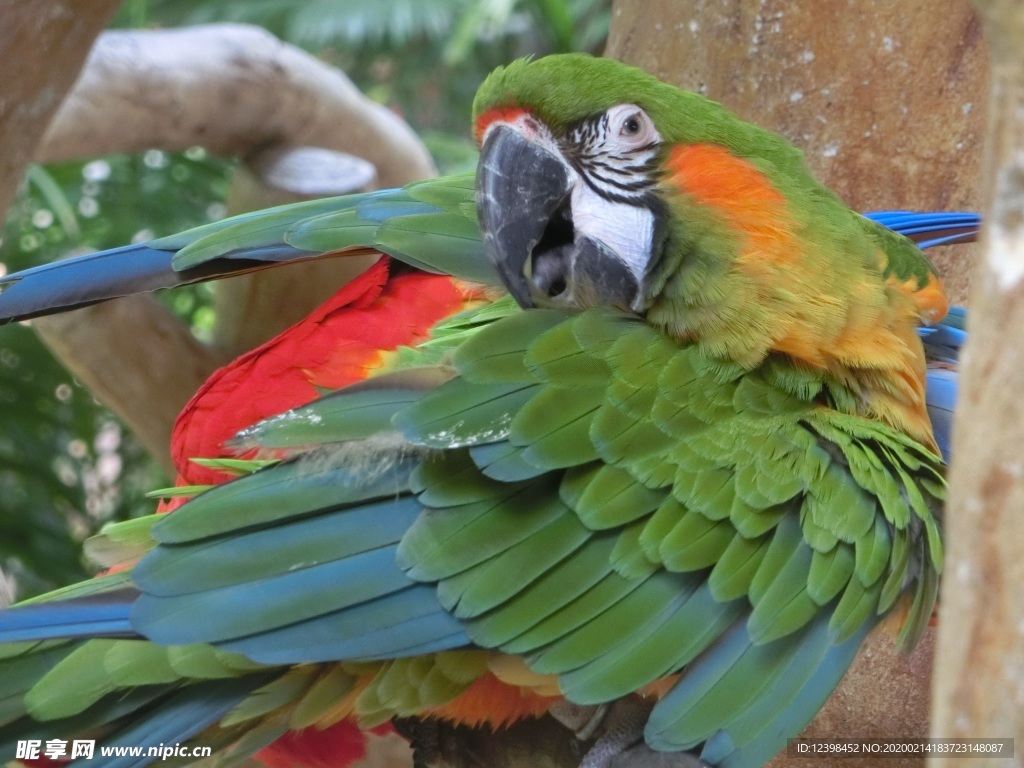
(84, 280)
(942, 344)
(941, 397)
(103, 615)
(931, 229)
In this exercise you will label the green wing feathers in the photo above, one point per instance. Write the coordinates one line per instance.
(430, 225)
(683, 494)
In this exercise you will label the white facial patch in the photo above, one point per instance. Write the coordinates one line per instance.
(626, 229)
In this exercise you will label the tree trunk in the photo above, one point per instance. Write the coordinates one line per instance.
(979, 685)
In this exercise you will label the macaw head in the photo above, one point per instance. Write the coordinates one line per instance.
(576, 170)
(598, 184)
(565, 181)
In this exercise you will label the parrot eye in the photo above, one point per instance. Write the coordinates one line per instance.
(631, 128)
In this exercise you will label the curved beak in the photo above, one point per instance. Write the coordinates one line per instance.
(524, 205)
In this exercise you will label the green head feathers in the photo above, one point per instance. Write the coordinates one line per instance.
(565, 88)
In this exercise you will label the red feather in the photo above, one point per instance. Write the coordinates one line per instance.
(342, 744)
(340, 343)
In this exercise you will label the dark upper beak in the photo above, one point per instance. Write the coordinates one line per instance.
(523, 204)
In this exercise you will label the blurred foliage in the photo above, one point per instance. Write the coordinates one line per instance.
(74, 207)
(66, 464)
(65, 467)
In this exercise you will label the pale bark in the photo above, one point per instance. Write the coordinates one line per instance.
(887, 100)
(235, 90)
(979, 682)
(230, 88)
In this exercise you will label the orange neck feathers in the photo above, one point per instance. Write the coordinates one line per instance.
(827, 310)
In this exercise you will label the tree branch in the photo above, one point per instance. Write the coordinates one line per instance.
(230, 88)
(138, 358)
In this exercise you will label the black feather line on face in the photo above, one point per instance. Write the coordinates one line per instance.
(599, 168)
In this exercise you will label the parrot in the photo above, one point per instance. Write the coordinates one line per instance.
(636, 412)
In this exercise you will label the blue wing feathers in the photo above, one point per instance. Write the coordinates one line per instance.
(404, 623)
(131, 269)
(177, 718)
(230, 612)
(233, 558)
(84, 280)
(804, 696)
